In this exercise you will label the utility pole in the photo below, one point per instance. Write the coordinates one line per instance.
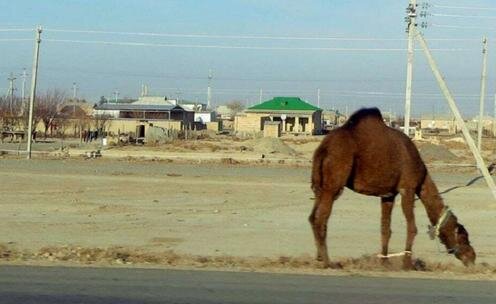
(318, 98)
(390, 117)
(209, 89)
(482, 94)
(74, 91)
(260, 96)
(411, 19)
(23, 90)
(33, 88)
(451, 102)
(494, 117)
(11, 92)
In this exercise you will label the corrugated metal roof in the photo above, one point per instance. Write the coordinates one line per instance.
(138, 107)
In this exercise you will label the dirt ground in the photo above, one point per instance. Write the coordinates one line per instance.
(122, 209)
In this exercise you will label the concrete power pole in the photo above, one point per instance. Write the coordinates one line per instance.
(260, 96)
(318, 98)
(74, 91)
(33, 88)
(23, 89)
(411, 20)
(494, 117)
(482, 94)
(209, 89)
(11, 92)
(454, 109)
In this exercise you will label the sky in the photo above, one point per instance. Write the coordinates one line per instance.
(253, 48)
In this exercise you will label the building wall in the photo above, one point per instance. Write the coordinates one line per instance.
(248, 122)
(272, 129)
(117, 126)
(445, 124)
(203, 117)
(213, 126)
(252, 122)
(111, 113)
(317, 122)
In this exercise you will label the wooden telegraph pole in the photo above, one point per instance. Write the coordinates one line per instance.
(33, 89)
(411, 19)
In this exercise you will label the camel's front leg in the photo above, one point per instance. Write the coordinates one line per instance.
(318, 220)
(407, 204)
(387, 204)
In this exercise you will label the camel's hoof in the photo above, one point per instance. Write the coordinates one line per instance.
(332, 265)
(385, 262)
(336, 265)
(407, 263)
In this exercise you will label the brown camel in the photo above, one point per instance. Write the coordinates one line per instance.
(371, 158)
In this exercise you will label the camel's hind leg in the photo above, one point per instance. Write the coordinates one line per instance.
(318, 220)
(330, 173)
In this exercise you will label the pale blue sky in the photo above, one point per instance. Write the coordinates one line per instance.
(239, 74)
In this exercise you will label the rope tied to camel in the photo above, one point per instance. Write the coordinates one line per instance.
(403, 253)
(434, 231)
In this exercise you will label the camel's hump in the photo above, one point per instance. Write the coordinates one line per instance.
(362, 114)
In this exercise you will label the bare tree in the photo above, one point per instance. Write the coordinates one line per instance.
(235, 106)
(11, 113)
(82, 122)
(47, 107)
(101, 122)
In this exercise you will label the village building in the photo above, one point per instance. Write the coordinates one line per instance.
(439, 124)
(488, 125)
(332, 119)
(294, 115)
(148, 111)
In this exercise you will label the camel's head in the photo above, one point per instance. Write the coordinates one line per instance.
(455, 237)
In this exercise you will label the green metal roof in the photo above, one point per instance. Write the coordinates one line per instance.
(285, 104)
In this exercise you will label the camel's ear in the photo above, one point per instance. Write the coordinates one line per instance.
(462, 234)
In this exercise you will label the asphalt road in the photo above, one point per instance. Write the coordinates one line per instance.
(20, 284)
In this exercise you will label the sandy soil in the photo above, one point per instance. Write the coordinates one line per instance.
(212, 215)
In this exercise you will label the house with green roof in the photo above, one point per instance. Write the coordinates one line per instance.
(294, 115)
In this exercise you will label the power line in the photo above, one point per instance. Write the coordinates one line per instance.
(464, 16)
(14, 39)
(466, 7)
(122, 73)
(311, 91)
(463, 27)
(219, 46)
(121, 43)
(16, 30)
(255, 37)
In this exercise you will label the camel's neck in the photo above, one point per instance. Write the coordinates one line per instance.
(430, 197)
